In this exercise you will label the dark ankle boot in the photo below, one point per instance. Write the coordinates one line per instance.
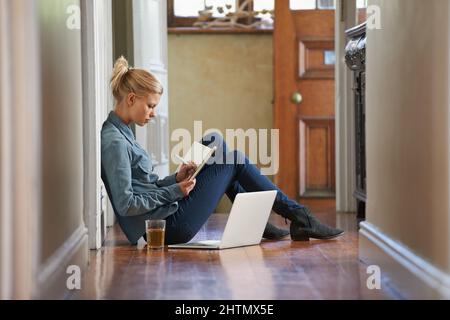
(305, 225)
(274, 233)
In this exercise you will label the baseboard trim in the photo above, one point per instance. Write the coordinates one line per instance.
(52, 276)
(411, 275)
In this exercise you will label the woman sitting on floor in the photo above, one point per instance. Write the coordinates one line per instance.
(137, 194)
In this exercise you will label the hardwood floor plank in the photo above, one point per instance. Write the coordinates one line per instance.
(273, 270)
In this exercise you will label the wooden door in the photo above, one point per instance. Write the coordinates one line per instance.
(304, 66)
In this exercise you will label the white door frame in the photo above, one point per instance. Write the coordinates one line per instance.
(150, 53)
(346, 17)
(20, 149)
(97, 58)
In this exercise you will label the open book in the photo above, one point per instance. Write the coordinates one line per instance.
(199, 154)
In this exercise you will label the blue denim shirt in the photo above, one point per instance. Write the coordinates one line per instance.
(133, 188)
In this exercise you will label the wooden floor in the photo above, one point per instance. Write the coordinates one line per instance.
(274, 270)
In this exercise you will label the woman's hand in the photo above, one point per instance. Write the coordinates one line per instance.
(187, 186)
(186, 171)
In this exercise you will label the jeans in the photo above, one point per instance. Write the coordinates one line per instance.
(213, 182)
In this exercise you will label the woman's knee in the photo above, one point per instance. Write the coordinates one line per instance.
(222, 155)
(236, 157)
(215, 139)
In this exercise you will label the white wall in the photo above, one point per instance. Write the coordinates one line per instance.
(407, 129)
(41, 149)
(20, 154)
(64, 236)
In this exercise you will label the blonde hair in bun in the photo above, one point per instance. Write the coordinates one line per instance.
(125, 80)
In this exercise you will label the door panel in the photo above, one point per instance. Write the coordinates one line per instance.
(316, 157)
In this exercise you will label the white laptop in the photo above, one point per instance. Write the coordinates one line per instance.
(245, 225)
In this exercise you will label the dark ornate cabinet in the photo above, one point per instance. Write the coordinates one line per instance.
(355, 58)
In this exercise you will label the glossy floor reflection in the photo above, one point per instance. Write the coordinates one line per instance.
(274, 270)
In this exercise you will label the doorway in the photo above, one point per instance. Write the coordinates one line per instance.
(304, 98)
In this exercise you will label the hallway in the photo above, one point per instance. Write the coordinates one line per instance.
(342, 102)
(273, 270)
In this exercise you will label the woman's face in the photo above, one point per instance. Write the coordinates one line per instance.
(143, 108)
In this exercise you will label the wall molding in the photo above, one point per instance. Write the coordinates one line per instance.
(413, 276)
(52, 275)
